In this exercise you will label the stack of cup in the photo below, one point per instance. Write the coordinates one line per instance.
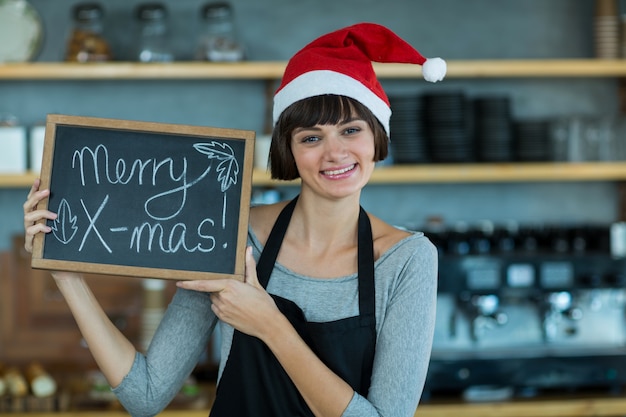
(153, 309)
(13, 140)
(606, 30)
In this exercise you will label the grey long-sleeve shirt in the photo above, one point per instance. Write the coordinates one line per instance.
(406, 287)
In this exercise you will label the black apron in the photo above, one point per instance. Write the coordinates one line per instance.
(254, 383)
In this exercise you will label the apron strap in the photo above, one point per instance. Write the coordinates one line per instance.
(367, 298)
(265, 265)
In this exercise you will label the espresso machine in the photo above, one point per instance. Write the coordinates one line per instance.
(528, 309)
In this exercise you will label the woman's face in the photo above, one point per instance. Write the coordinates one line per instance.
(335, 160)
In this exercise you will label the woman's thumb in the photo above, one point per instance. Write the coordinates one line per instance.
(250, 275)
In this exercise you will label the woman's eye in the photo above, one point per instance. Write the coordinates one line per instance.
(310, 139)
(352, 130)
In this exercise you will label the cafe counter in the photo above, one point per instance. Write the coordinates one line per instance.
(557, 406)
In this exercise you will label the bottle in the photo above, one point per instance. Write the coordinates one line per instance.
(86, 42)
(153, 41)
(606, 29)
(218, 41)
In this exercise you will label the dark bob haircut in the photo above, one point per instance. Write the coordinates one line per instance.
(322, 110)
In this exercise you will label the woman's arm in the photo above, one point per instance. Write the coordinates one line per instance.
(249, 308)
(181, 338)
(112, 351)
(405, 336)
(144, 384)
(325, 393)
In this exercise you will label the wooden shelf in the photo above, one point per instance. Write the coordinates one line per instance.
(17, 180)
(508, 172)
(552, 407)
(142, 71)
(269, 70)
(441, 173)
(579, 404)
(468, 173)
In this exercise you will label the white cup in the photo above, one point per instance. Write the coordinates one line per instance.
(262, 151)
(37, 136)
(13, 155)
(618, 239)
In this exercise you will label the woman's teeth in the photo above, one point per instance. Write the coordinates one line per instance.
(339, 171)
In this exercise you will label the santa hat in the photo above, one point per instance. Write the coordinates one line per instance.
(340, 63)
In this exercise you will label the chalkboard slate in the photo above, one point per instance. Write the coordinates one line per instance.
(145, 199)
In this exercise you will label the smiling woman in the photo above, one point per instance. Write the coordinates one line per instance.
(336, 312)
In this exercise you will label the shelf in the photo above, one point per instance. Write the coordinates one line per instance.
(442, 173)
(140, 71)
(472, 173)
(17, 180)
(269, 70)
(504, 172)
(581, 406)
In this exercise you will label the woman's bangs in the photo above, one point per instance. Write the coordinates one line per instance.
(326, 110)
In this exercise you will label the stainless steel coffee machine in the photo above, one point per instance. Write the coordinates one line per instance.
(528, 308)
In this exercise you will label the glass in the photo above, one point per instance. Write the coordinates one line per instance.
(153, 37)
(86, 43)
(579, 138)
(613, 138)
(21, 31)
(218, 41)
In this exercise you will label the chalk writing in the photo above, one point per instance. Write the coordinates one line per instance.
(95, 166)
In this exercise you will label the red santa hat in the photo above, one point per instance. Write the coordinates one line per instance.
(340, 63)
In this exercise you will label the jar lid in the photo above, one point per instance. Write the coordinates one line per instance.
(86, 12)
(151, 11)
(217, 10)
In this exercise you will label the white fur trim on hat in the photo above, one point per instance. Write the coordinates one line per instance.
(317, 83)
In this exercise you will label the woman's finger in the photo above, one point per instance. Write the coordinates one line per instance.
(250, 275)
(31, 232)
(34, 195)
(215, 285)
(35, 187)
(31, 203)
(32, 218)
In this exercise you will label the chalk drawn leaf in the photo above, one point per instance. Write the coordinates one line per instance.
(228, 168)
(228, 171)
(64, 226)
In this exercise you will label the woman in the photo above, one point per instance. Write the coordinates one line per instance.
(336, 314)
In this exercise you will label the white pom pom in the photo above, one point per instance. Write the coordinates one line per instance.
(434, 69)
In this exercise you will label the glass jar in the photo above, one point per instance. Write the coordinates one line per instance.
(218, 41)
(86, 42)
(153, 44)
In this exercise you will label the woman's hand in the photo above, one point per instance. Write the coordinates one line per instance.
(32, 216)
(33, 225)
(244, 305)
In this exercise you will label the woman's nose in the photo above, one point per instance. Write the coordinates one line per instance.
(335, 148)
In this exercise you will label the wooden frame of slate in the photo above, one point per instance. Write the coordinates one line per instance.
(144, 199)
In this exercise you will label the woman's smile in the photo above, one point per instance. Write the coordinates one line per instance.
(339, 172)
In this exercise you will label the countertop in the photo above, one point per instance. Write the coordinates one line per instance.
(557, 406)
